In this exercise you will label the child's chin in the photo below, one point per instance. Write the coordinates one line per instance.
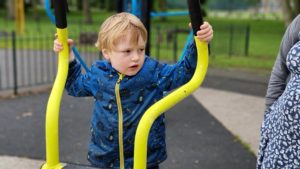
(131, 74)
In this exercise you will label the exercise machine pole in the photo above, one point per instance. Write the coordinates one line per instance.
(143, 129)
(53, 106)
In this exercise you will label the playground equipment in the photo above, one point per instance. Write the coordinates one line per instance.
(52, 112)
(52, 18)
(141, 137)
(20, 16)
(140, 149)
(142, 9)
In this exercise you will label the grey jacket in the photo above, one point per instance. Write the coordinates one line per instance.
(280, 73)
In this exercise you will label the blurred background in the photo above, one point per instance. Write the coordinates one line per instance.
(220, 121)
(247, 35)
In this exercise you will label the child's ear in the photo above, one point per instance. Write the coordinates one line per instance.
(105, 54)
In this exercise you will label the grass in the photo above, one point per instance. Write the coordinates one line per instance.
(245, 63)
(265, 37)
(245, 145)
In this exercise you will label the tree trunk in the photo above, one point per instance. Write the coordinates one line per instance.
(110, 5)
(2, 4)
(10, 9)
(35, 11)
(290, 9)
(87, 12)
(297, 7)
(79, 5)
(162, 4)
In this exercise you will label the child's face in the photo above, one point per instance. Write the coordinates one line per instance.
(127, 58)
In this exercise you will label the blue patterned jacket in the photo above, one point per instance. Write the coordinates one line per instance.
(120, 102)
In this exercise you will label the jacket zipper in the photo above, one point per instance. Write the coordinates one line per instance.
(120, 121)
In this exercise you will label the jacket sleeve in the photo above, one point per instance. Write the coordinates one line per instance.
(280, 73)
(78, 84)
(173, 76)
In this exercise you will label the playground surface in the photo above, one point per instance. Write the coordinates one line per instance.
(215, 128)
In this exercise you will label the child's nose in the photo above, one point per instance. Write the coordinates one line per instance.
(135, 56)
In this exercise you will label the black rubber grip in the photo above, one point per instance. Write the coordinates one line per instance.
(60, 11)
(195, 14)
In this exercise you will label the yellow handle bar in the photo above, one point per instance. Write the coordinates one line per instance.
(52, 113)
(143, 129)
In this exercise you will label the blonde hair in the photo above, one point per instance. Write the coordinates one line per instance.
(117, 26)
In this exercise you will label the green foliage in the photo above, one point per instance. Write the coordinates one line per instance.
(231, 4)
(265, 37)
(2, 4)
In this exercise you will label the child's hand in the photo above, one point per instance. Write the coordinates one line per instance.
(205, 33)
(57, 47)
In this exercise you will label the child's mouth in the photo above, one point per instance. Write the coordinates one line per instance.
(133, 67)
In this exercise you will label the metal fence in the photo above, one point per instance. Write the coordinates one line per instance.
(233, 41)
(230, 40)
(28, 61)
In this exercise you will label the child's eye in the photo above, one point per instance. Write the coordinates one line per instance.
(127, 51)
(142, 49)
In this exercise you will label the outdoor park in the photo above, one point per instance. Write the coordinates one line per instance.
(213, 124)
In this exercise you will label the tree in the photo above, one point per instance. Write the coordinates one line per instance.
(2, 4)
(110, 5)
(231, 4)
(290, 9)
(86, 12)
(34, 4)
(204, 12)
(10, 9)
(79, 5)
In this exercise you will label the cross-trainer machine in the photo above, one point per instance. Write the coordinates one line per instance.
(141, 137)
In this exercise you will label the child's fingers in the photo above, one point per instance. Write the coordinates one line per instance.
(70, 42)
(204, 32)
(56, 41)
(57, 47)
(205, 25)
(58, 44)
(206, 37)
(204, 29)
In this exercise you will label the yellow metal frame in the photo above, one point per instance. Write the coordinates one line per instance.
(141, 138)
(142, 133)
(52, 113)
